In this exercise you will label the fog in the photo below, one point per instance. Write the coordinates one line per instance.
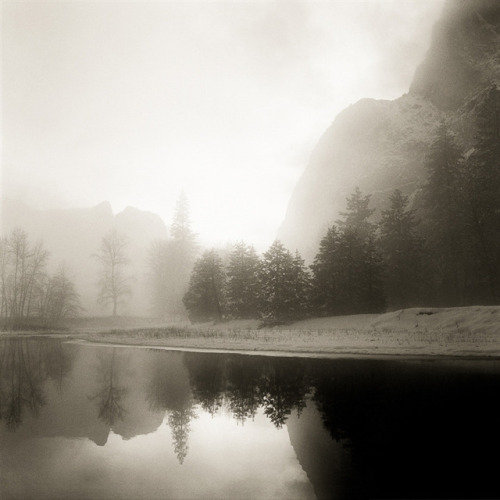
(133, 102)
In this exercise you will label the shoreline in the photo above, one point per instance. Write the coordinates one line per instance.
(450, 333)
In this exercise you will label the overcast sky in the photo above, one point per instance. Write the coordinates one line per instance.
(132, 102)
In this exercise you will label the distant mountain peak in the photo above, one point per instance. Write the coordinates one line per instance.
(104, 207)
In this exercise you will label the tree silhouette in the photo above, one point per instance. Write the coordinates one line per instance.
(179, 422)
(482, 195)
(170, 264)
(284, 285)
(243, 281)
(443, 224)
(205, 298)
(113, 282)
(403, 252)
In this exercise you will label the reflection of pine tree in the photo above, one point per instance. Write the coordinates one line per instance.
(285, 389)
(244, 394)
(179, 421)
(208, 380)
(169, 391)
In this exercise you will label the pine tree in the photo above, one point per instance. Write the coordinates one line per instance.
(205, 298)
(357, 214)
(243, 285)
(170, 264)
(372, 299)
(325, 286)
(302, 287)
(358, 265)
(482, 192)
(349, 265)
(443, 226)
(283, 289)
(402, 249)
(180, 229)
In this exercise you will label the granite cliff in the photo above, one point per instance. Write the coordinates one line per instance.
(380, 145)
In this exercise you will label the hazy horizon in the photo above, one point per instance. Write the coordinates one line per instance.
(133, 103)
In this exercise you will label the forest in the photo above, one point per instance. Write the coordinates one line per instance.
(439, 248)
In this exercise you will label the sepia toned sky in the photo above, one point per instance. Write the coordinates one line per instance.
(133, 102)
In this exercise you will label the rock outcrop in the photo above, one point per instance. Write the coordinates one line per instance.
(381, 145)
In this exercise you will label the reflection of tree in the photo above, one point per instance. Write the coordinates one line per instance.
(25, 365)
(208, 380)
(169, 391)
(244, 383)
(285, 389)
(179, 422)
(109, 397)
(244, 393)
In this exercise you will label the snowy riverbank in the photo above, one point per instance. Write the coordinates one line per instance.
(465, 331)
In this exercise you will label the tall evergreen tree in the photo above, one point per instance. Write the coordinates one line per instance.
(243, 285)
(357, 214)
(372, 299)
(443, 225)
(302, 286)
(349, 265)
(325, 286)
(402, 250)
(205, 298)
(180, 230)
(283, 289)
(482, 193)
(358, 262)
(170, 264)
(347, 271)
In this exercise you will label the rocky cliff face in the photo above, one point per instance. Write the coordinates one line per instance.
(72, 236)
(381, 145)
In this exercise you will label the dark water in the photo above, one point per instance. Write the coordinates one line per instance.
(100, 422)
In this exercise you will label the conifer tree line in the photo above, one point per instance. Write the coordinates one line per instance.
(442, 249)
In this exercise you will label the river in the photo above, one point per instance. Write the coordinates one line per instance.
(85, 421)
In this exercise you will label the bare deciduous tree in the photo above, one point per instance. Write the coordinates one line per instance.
(113, 281)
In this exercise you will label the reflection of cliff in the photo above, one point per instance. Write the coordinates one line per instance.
(74, 375)
(325, 461)
(118, 390)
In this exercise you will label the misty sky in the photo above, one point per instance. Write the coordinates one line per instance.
(133, 102)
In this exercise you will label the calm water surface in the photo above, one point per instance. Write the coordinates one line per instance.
(80, 421)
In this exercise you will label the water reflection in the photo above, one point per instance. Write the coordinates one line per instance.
(24, 367)
(169, 392)
(242, 384)
(354, 428)
(110, 395)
